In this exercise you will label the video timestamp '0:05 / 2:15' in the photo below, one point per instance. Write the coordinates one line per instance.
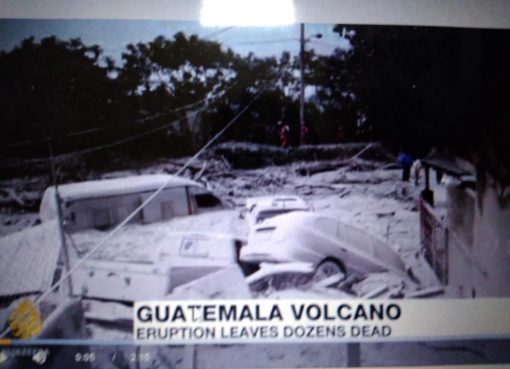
(91, 357)
(86, 357)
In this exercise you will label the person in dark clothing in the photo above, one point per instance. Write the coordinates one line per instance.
(406, 161)
(283, 133)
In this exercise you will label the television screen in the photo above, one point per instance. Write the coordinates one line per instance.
(298, 189)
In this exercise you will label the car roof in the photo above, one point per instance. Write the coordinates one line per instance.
(291, 218)
(276, 202)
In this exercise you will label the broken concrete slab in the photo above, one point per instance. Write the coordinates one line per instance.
(309, 294)
(376, 285)
(426, 292)
(376, 292)
(108, 311)
(269, 269)
(228, 283)
(271, 277)
(120, 281)
(330, 281)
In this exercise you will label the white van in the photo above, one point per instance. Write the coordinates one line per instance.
(104, 203)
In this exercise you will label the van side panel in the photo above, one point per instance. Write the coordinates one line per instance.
(170, 203)
(100, 212)
(106, 212)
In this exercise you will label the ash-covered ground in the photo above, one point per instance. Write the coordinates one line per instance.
(359, 183)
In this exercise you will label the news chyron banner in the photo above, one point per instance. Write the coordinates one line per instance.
(235, 321)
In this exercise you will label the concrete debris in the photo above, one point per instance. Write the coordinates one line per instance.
(426, 292)
(249, 156)
(311, 294)
(120, 281)
(269, 269)
(330, 281)
(377, 292)
(228, 283)
(107, 311)
(296, 280)
(274, 277)
(381, 284)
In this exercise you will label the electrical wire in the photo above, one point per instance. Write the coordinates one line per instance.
(259, 42)
(147, 201)
(216, 33)
(67, 156)
(100, 129)
(144, 203)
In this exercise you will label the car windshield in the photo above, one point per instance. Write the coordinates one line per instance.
(271, 213)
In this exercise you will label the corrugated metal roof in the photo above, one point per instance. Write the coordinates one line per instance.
(28, 259)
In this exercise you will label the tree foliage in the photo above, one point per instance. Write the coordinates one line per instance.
(412, 87)
(53, 87)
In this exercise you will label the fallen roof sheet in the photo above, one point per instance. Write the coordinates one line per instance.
(447, 165)
(28, 259)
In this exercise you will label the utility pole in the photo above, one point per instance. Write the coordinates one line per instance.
(58, 202)
(302, 124)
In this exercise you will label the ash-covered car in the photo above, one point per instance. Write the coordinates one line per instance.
(259, 208)
(319, 238)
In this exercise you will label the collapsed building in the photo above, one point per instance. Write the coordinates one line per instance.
(466, 235)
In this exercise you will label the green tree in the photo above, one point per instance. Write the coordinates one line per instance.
(167, 74)
(54, 87)
(409, 82)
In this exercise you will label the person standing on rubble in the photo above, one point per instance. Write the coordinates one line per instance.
(283, 133)
(406, 161)
(304, 134)
(416, 171)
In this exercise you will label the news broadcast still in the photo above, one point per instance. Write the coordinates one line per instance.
(175, 195)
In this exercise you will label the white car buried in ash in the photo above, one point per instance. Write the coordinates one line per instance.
(319, 238)
(260, 208)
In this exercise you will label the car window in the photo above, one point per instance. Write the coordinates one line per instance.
(171, 202)
(207, 200)
(99, 213)
(109, 211)
(327, 226)
(204, 199)
(269, 214)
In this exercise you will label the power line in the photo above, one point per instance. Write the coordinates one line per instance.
(136, 211)
(148, 200)
(216, 33)
(326, 43)
(100, 129)
(144, 203)
(47, 139)
(258, 42)
(67, 156)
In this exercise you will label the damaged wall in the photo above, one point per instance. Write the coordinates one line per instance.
(478, 242)
(492, 243)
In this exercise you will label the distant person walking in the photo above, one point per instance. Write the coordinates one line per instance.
(304, 134)
(283, 133)
(416, 171)
(406, 161)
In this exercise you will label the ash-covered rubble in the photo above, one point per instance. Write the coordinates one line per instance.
(252, 156)
(357, 181)
(360, 182)
(298, 280)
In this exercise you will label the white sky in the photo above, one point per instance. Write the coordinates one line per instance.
(114, 35)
